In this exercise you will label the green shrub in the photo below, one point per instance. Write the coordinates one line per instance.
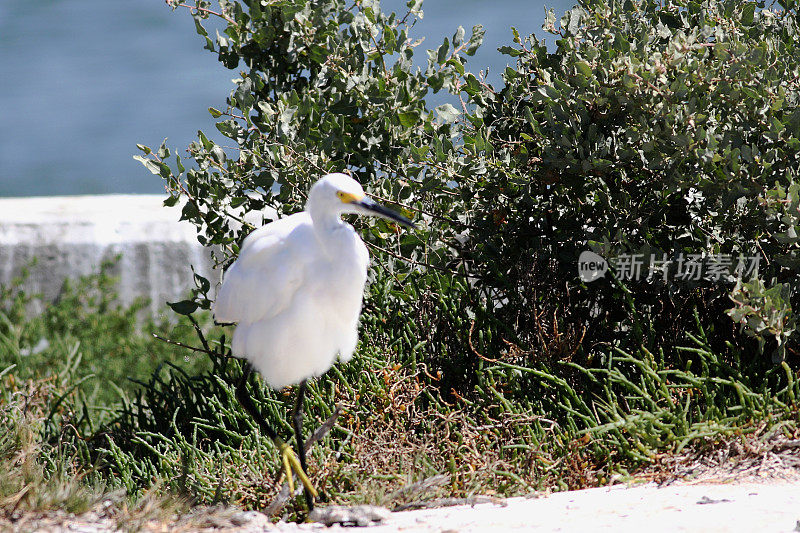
(653, 128)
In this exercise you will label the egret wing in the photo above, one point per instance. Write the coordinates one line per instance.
(265, 277)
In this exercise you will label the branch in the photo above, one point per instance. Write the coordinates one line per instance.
(179, 3)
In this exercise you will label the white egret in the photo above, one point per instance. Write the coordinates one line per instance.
(295, 291)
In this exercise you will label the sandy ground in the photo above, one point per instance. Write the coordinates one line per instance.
(729, 507)
(746, 507)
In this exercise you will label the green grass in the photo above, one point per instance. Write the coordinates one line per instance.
(106, 407)
(87, 335)
(35, 476)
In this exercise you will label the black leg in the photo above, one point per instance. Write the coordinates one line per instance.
(297, 417)
(297, 420)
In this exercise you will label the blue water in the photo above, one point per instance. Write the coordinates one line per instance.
(83, 81)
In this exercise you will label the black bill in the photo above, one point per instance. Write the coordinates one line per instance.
(374, 207)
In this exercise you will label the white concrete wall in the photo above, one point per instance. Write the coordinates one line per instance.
(71, 235)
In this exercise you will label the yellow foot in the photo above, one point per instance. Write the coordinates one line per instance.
(291, 464)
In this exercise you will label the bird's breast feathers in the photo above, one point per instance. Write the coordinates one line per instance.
(284, 260)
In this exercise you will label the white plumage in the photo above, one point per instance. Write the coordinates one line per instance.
(296, 288)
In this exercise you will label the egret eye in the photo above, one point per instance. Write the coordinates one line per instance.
(345, 197)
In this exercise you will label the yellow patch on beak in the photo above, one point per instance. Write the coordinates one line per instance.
(349, 198)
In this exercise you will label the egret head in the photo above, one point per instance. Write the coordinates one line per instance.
(339, 193)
